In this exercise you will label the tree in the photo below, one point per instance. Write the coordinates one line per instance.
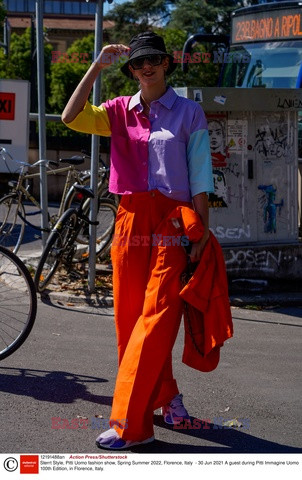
(2, 15)
(175, 20)
(21, 60)
(196, 16)
(190, 15)
(68, 69)
(199, 74)
(137, 16)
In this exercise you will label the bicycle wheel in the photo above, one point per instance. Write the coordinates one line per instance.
(11, 224)
(106, 216)
(18, 302)
(55, 249)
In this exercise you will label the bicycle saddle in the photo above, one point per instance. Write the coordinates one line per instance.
(74, 160)
(12, 183)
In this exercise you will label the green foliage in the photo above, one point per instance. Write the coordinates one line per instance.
(18, 63)
(2, 16)
(181, 19)
(199, 74)
(21, 61)
(115, 83)
(137, 16)
(62, 74)
(202, 16)
(67, 71)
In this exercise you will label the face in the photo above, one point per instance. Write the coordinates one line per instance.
(219, 184)
(147, 73)
(216, 135)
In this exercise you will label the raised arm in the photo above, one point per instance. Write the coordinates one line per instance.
(76, 103)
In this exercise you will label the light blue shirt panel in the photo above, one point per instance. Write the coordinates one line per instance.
(199, 163)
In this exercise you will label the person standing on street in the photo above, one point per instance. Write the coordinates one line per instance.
(160, 159)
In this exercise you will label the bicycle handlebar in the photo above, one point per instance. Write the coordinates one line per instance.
(86, 155)
(3, 152)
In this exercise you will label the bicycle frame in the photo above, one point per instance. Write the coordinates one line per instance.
(19, 193)
(73, 175)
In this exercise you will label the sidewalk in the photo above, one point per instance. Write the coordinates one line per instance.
(250, 296)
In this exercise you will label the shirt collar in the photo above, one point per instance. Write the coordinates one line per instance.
(167, 100)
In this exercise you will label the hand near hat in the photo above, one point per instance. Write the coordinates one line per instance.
(143, 44)
(110, 54)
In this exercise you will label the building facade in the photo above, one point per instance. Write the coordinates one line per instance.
(64, 21)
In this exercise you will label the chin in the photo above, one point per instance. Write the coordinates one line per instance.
(151, 81)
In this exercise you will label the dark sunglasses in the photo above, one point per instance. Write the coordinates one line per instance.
(154, 60)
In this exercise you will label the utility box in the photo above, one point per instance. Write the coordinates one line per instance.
(14, 123)
(254, 147)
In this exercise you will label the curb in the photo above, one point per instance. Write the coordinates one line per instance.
(70, 299)
(267, 299)
(236, 299)
(106, 301)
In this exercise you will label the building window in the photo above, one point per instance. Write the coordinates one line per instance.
(52, 6)
(72, 8)
(31, 5)
(15, 5)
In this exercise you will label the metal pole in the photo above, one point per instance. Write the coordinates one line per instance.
(41, 113)
(95, 146)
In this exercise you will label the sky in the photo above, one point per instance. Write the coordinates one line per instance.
(108, 7)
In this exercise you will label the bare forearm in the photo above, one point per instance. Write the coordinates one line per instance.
(201, 206)
(77, 101)
(80, 96)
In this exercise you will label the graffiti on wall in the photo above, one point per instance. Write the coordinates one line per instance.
(265, 261)
(235, 233)
(269, 207)
(274, 141)
(219, 150)
(228, 142)
(218, 199)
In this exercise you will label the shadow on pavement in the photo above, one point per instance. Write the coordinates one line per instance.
(66, 387)
(46, 386)
(228, 440)
(95, 301)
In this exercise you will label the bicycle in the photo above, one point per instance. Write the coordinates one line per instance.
(18, 302)
(13, 216)
(60, 248)
(103, 186)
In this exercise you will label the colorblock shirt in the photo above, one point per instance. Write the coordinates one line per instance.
(168, 151)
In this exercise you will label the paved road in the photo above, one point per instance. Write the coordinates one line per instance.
(67, 367)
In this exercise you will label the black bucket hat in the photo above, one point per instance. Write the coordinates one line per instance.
(147, 43)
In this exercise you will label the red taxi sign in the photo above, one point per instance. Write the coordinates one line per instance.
(7, 106)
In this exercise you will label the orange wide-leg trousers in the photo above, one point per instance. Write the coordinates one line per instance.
(148, 310)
